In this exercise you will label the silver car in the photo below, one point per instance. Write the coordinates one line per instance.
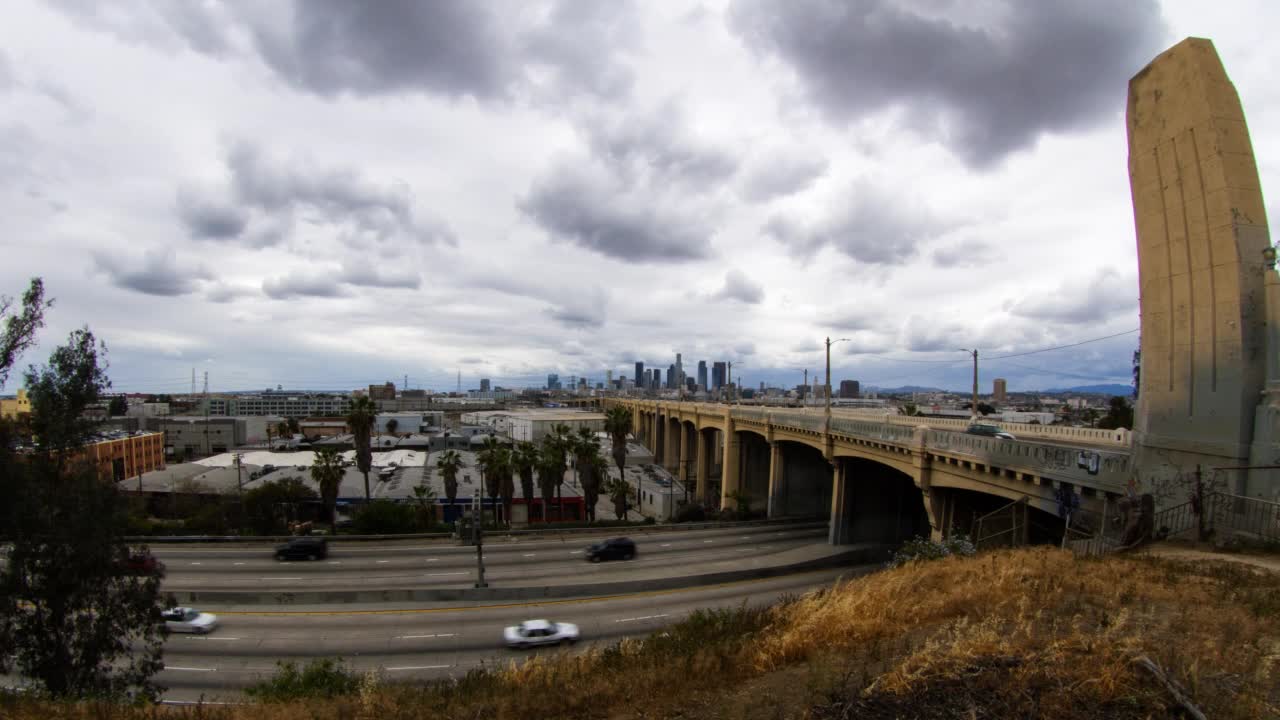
(531, 633)
(189, 620)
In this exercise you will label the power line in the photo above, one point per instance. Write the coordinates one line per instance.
(1064, 347)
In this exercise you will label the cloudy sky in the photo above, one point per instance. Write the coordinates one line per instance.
(325, 194)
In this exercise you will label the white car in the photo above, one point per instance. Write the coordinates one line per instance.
(189, 620)
(531, 633)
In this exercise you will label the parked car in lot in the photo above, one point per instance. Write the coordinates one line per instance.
(189, 620)
(303, 548)
(532, 633)
(142, 563)
(612, 549)
(989, 431)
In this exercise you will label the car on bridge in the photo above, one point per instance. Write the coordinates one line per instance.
(532, 633)
(303, 548)
(989, 431)
(611, 549)
(189, 620)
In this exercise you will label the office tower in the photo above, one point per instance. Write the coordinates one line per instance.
(640, 381)
(553, 381)
(608, 378)
(702, 374)
(717, 375)
(849, 389)
(999, 391)
(671, 377)
(484, 384)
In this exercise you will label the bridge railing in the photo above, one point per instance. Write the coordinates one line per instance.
(870, 429)
(1103, 469)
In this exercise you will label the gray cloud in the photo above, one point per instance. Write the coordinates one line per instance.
(966, 253)
(780, 173)
(266, 192)
(869, 226)
(225, 293)
(739, 287)
(454, 48)
(656, 148)
(581, 205)
(856, 318)
(158, 272)
(986, 88)
(209, 218)
(300, 284)
(1106, 295)
(582, 310)
(368, 275)
(6, 72)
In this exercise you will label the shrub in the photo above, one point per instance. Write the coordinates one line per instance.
(691, 513)
(321, 678)
(384, 517)
(919, 548)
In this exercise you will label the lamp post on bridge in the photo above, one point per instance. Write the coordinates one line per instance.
(830, 342)
(974, 409)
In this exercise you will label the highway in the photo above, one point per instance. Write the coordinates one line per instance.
(509, 561)
(434, 640)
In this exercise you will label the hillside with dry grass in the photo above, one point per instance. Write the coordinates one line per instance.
(1027, 633)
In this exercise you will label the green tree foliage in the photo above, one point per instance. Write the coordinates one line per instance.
(392, 426)
(270, 505)
(321, 678)
(424, 501)
(118, 406)
(551, 469)
(586, 452)
(449, 463)
(385, 517)
(71, 619)
(617, 422)
(360, 419)
(524, 460)
(619, 492)
(19, 333)
(326, 471)
(1119, 415)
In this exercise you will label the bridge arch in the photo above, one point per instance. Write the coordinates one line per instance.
(876, 503)
(802, 480)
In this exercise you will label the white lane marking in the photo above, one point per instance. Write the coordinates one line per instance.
(417, 637)
(708, 541)
(745, 549)
(418, 667)
(335, 562)
(530, 555)
(237, 563)
(452, 573)
(189, 669)
(198, 637)
(195, 563)
(643, 617)
(381, 562)
(666, 544)
(575, 552)
(432, 559)
(280, 578)
(745, 537)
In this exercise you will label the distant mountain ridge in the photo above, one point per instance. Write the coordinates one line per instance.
(1106, 389)
(1110, 389)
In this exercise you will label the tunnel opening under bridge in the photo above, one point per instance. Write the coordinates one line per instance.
(804, 481)
(875, 503)
(992, 520)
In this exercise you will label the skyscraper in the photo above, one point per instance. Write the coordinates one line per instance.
(702, 374)
(679, 378)
(717, 375)
(999, 390)
(671, 377)
(553, 381)
(849, 389)
(640, 381)
(484, 384)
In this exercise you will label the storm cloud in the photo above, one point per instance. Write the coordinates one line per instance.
(157, 272)
(986, 84)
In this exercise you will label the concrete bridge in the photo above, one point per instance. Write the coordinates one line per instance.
(881, 478)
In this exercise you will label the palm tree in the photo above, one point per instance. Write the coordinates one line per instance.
(618, 491)
(491, 460)
(392, 426)
(425, 498)
(360, 419)
(524, 459)
(504, 467)
(448, 464)
(585, 451)
(327, 471)
(550, 471)
(293, 425)
(617, 422)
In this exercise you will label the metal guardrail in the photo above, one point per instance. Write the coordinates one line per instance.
(669, 527)
(1255, 518)
(1174, 521)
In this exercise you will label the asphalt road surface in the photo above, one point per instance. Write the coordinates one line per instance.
(520, 561)
(434, 640)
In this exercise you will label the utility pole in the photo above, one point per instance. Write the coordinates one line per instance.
(240, 487)
(831, 342)
(207, 450)
(804, 394)
(974, 414)
(477, 538)
(729, 381)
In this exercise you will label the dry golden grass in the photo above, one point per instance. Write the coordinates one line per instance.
(1028, 633)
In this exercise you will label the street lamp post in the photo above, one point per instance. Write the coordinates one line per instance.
(830, 342)
(974, 409)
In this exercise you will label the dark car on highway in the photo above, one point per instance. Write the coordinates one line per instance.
(303, 548)
(612, 549)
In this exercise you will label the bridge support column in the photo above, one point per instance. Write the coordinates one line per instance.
(682, 470)
(934, 499)
(777, 481)
(731, 480)
(657, 438)
(839, 530)
(702, 461)
(671, 445)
